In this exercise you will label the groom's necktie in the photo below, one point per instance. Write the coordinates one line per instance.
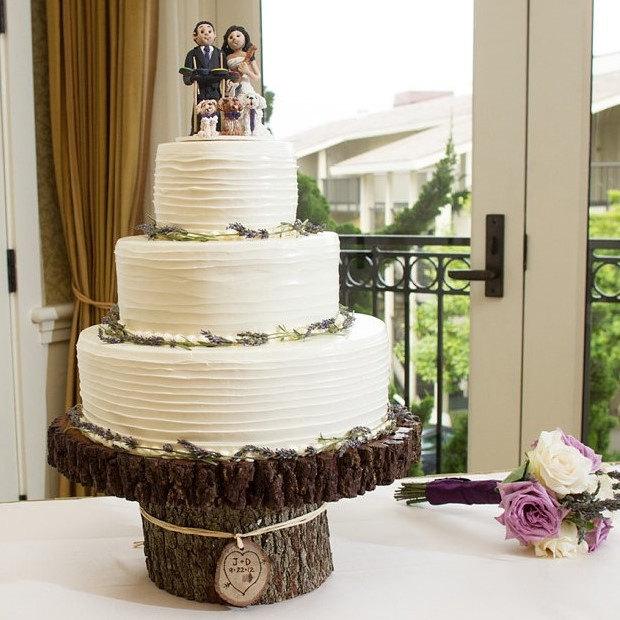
(207, 54)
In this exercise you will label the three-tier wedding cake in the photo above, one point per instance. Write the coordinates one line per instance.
(229, 337)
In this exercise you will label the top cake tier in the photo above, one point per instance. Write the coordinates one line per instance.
(204, 186)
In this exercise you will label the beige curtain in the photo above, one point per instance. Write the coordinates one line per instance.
(102, 56)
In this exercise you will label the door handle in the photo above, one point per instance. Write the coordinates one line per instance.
(493, 273)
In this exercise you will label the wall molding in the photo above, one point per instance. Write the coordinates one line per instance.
(53, 322)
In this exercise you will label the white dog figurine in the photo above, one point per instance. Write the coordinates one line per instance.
(208, 113)
(252, 116)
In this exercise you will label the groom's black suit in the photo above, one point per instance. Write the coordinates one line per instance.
(208, 88)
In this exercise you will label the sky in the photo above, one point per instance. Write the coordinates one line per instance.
(335, 59)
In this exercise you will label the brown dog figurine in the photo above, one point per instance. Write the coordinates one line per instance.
(231, 109)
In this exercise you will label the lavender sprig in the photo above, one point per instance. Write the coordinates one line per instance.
(152, 231)
(248, 233)
(76, 418)
(198, 452)
(250, 449)
(215, 341)
(252, 339)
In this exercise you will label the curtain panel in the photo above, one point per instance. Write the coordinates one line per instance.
(102, 56)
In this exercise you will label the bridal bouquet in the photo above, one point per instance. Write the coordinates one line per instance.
(559, 501)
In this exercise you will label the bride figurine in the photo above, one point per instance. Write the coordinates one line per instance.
(240, 60)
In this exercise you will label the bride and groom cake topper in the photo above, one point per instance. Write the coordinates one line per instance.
(225, 101)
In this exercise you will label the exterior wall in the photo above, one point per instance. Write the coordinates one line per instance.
(309, 165)
(606, 135)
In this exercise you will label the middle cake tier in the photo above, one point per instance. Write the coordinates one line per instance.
(226, 287)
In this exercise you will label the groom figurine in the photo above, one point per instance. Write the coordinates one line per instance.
(199, 62)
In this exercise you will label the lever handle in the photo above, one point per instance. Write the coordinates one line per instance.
(493, 273)
(482, 275)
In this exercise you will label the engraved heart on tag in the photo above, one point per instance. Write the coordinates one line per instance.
(242, 568)
(242, 574)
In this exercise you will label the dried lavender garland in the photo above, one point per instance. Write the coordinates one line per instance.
(237, 231)
(354, 438)
(113, 331)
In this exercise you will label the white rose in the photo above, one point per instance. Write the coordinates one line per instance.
(606, 490)
(559, 467)
(566, 545)
(193, 338)
(339, 322)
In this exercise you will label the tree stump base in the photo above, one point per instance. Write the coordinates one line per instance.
(235, 496)
(185, 565)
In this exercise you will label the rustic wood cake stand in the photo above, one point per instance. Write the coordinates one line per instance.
(234, 496)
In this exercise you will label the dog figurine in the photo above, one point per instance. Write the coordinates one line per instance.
(252, 116)
(208, 114)
(231, 108)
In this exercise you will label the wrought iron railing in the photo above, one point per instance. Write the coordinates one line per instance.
(603, 286)
(365, 261)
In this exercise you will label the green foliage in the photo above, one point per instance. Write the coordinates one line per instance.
(455, 341)
(604, 338)
(415, 471)
(613, 196)
(455, 453)
(434, 194)
(313, 206)
(347, 228)
(269, 98)
(606, 225)
(461, 200)
(423, 409)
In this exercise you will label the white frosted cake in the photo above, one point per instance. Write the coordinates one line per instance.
(231, 339)
(205, 185)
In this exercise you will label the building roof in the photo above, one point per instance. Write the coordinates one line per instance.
(425, 148)
(605, 91)
(428, 121)
(414, 152)
(412, 117)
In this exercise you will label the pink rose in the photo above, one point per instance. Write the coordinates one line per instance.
(597, 459)
(531, 513)
(598, 535)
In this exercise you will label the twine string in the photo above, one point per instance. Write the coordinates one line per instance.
(238, 536)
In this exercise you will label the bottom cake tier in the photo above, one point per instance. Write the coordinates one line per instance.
(281, 395)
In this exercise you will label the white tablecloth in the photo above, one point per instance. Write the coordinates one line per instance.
(74, 559)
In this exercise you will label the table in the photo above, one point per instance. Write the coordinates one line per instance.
(75, 559)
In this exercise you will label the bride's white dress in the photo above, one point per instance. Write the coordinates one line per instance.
(243, 86)
(252, 115)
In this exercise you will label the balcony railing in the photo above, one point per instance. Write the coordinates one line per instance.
(410, 265)
(603, 287)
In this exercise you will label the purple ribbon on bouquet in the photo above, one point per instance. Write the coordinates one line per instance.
(450, 491)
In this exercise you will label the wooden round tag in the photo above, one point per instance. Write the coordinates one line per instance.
(242, 575)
